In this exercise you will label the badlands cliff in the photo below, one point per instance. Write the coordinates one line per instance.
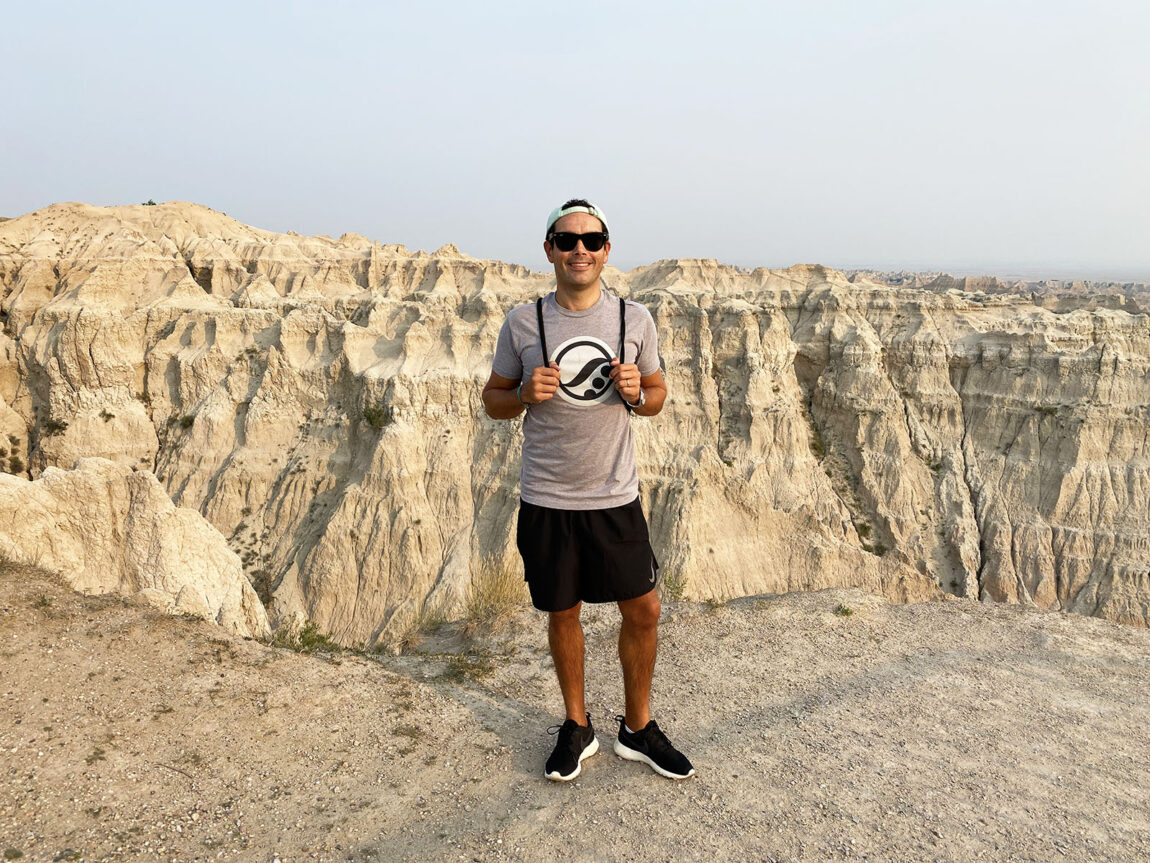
(317, 400)
(106, 528)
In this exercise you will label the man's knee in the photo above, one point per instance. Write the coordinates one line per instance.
(642, 611)
(566, 617)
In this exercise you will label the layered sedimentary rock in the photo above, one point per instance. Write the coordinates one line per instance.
(108, 529)
(318, 401)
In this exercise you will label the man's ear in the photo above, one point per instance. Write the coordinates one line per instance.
(547, 251)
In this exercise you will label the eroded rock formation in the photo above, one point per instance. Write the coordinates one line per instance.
(108, 529)
(318, 401)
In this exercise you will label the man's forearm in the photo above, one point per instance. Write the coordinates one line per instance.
(501, 404)
(653, 398)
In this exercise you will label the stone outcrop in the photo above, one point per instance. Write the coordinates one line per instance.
(108, 529)
(318, 401)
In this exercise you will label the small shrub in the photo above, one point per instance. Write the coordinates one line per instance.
(844, 610)
(43, 602)
(469, 666)
(54, 427)
(148, 203)
(817, 445)
(864, 530)
(1046, 410)
(13, 853)
(106, 415)
(308, 640)
(15, 464)
(672, 586)
(378, 416)
(186, 421)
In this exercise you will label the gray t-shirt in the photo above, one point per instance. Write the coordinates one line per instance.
(578, 452)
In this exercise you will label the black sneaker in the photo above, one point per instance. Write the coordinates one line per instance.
(652, 747)
(575, 743)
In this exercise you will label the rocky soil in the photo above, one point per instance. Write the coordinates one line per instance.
(824, 726)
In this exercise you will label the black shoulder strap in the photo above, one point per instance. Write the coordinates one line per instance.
(622, 329)
(542, 332)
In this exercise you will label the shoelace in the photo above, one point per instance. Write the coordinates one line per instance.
(567, 731)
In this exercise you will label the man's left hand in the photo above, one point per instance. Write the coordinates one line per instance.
(626, 377)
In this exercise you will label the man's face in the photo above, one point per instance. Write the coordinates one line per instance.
(578, 268)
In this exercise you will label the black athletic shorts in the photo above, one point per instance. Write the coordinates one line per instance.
(588, 555)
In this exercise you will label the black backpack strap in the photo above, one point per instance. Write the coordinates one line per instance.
(542, 332)
(623, 346)
(622, 329)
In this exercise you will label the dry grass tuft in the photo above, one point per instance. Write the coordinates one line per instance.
(496, 592)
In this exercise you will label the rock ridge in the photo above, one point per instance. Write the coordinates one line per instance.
(317, 400)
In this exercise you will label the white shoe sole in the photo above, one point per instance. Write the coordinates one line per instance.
(591, 749)
(624, 751)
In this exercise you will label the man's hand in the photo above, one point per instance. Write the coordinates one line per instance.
(627, 380)
(542, 384)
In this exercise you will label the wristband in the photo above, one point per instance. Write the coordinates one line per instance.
(519, 395)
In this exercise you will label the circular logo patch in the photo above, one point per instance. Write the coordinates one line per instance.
(584, 370)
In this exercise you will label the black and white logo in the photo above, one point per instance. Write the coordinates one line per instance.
(584, 370)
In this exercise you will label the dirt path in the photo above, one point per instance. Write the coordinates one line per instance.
(950, 731)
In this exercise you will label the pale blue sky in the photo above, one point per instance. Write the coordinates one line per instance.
(1006, 137)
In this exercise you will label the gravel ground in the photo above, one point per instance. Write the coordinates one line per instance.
(948, 731)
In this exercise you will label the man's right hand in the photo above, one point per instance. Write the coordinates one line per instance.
(542, 384)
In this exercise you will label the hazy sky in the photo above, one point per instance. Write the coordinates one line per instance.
(1007, 137)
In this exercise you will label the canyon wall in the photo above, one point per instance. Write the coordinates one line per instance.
(318, 401)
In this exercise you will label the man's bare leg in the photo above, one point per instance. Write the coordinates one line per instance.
(638, 638)
(565, 635)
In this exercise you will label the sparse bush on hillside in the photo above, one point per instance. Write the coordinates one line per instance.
(672, 586)
(817, 444)
(378, 416)
(308, 640)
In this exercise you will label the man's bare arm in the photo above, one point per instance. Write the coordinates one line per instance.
(654, 393)
(499, 398)
(503, 400)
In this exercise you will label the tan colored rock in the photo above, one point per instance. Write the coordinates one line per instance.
(108, 529)
(318, 401)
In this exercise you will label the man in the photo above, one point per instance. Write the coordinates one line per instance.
(581, 530)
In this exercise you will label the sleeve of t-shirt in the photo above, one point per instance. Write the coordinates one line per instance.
(507, 362)
(648, 358)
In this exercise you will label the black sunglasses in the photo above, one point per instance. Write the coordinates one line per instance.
(565, 241)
